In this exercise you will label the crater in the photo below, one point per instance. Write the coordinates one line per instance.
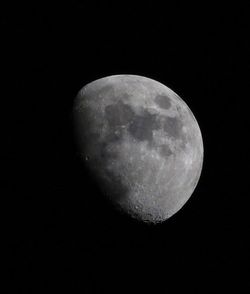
(172, 126)
(163, 101)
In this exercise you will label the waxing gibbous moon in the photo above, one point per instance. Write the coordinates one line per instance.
(141, 143)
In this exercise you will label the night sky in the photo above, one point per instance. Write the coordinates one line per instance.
(58, 231)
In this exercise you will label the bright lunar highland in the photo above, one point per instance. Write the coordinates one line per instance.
(141, 143)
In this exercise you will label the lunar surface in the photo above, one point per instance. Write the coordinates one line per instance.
(141, 143)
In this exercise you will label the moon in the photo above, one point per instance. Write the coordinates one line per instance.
(141, 143)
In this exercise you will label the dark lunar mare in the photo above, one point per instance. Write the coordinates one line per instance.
(163, 101)
(140, 127)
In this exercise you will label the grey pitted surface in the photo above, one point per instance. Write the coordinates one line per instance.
(142, 143)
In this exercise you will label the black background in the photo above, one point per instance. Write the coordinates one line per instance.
(59, 233)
